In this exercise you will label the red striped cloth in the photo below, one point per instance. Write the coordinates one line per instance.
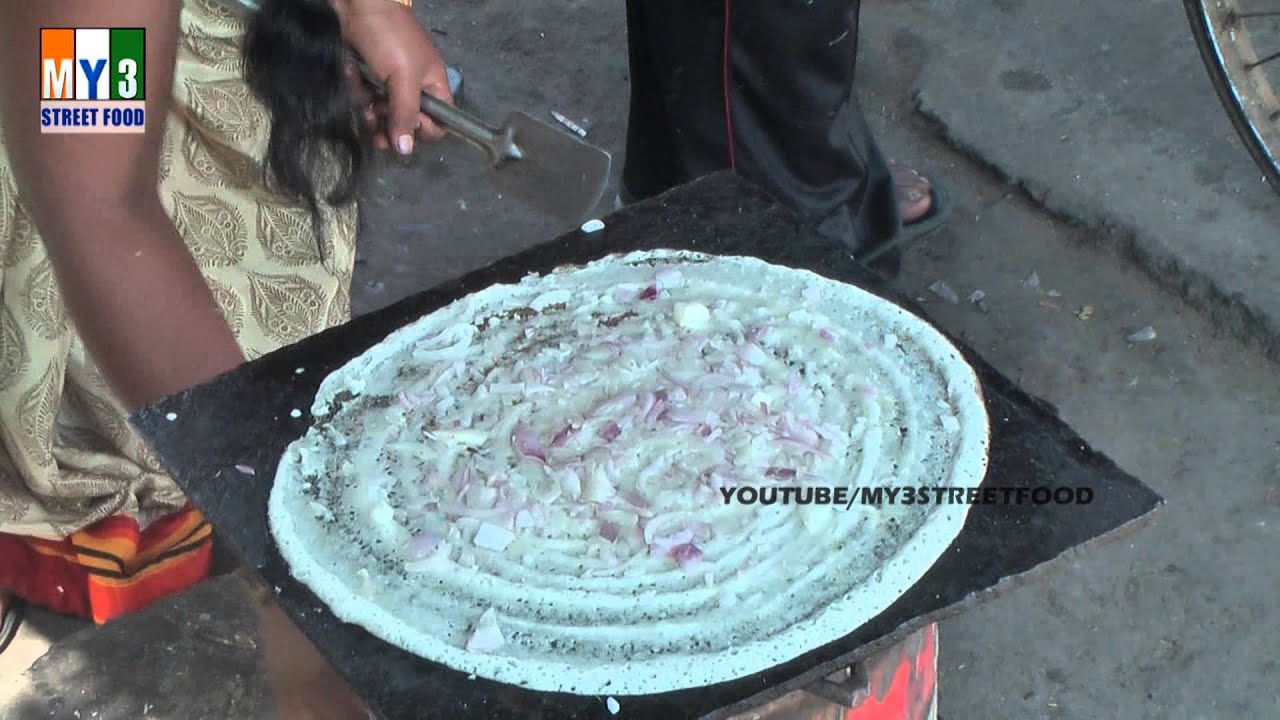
(903, 680)
(111, 567)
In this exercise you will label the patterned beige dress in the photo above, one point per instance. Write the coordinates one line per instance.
(68, 457)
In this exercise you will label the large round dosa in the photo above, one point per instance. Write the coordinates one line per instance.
(774, 582)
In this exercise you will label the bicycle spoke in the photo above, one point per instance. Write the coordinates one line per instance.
(1262, 61)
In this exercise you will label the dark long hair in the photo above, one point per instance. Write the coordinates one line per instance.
(294, 62)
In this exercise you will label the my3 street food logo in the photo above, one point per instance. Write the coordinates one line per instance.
(93, 80)
(847, 497)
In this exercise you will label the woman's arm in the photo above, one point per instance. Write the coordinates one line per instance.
(135, 294)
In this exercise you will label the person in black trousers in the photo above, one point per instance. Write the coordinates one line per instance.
(765, 88)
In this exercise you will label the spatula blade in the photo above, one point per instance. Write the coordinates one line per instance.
(557, 172)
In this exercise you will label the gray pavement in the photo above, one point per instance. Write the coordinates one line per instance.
(1103, 112)
(1165, 226)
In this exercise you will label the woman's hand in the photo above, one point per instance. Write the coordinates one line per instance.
(401, 54)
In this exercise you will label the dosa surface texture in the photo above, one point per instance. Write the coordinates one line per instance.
(528, 484)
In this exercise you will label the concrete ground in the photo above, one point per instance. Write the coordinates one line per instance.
(1084, 147)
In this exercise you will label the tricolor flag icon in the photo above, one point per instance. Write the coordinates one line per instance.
(92, 79)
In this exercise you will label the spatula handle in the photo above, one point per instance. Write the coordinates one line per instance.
(498, 144)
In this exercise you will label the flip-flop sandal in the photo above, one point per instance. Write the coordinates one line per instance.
(10, 621)
(939, 213)
(455, 82)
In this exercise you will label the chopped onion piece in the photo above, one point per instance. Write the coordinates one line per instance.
(715, 479)
(486, 636)
(692, 316)
(382, 516)
(827, 432)
(752, 354)
(615, 405)
(598, 487)
(636, 499)
(608, 530)
(687, 555)
(794, 383)
(780, 473)
(549, 298)
(465, 438)
(571, 483)
(684, 416)
(826, 334)
(622, 519)
(437, 557)
(563, 437)
(667, 543)
(320, 511)
(420, 546)
(527, 443)
(667, 277)
(464, 511)
(492, 537)
(462, 478)
(483, 497)
(713, 380)
(460, 335)
(800, 432)
(647, 401)
(656, 410)
(524, 519)
(649, 293)
(610, 432)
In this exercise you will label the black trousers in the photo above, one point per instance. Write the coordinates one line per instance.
(764, 87)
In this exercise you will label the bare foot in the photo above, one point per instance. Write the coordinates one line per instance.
(915, 198)
(305, 685)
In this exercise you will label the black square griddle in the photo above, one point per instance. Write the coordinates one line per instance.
(244, 418)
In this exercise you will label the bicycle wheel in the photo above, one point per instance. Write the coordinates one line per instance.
(1239, 41)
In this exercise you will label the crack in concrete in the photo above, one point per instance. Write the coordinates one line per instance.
(1225, 308)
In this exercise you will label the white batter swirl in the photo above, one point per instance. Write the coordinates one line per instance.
(529, 484)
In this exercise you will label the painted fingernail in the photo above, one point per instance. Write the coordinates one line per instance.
(405, 144)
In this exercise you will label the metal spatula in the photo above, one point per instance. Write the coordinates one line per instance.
(530, 160)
